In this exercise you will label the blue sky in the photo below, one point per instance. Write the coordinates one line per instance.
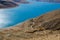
(13, 16)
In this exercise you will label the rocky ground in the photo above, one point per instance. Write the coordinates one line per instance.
(45, 27)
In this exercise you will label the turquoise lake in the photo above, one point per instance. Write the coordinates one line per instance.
(13, 16)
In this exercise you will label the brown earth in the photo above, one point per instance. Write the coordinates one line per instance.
(45, 27)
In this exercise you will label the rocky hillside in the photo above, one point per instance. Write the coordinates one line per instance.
(45, 27)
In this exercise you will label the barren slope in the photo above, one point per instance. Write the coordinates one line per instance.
(45, 27)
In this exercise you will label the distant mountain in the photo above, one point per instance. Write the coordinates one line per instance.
(45, 27)
(14, 3)
(11, 3)
(58, 1)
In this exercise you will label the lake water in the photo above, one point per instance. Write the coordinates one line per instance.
(12, 16)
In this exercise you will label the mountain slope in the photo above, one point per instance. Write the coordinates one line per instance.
(45, 27)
